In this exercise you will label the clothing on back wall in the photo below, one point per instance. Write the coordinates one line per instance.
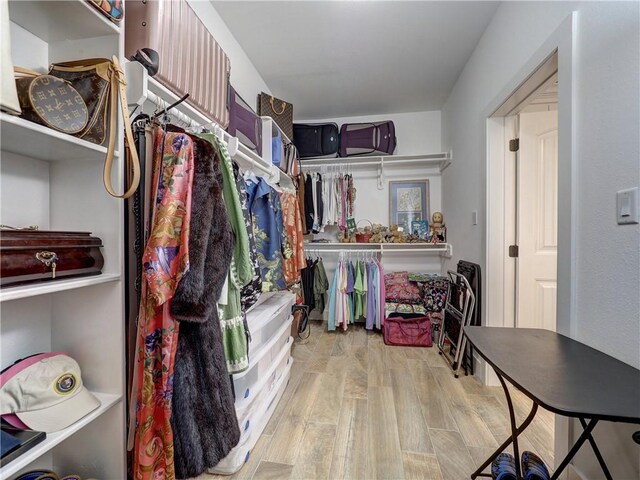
(356, 295)
(329, 199)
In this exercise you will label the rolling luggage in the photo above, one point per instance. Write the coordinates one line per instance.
(316, 139)
(191, 61)
(28, 256)
(377, 138)
(244, 123)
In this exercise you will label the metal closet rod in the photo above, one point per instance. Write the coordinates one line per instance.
(181, 117)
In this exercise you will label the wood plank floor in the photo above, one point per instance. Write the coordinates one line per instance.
(358, 409)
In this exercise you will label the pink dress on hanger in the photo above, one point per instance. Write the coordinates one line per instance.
(165, 261)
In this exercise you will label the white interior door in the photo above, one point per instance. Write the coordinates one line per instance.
(537, 220)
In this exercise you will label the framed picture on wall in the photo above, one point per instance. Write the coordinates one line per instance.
(408, 202)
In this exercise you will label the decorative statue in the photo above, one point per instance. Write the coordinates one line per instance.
(437, 229)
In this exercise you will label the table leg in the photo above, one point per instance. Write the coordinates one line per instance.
(596, 452)
(586, 435)
(515, 431)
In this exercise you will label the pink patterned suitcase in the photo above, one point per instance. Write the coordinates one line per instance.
(191, 61)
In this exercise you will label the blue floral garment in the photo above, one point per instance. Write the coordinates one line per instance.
(268, 229)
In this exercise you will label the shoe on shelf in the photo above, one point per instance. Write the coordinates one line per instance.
(504, 467)
(533, 468)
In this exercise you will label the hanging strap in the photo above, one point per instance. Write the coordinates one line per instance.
(27, 71)
(273, 107)
(119, 89)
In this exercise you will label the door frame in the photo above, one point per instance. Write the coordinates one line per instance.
(563, 41)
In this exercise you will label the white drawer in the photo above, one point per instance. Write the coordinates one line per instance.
(266, 318)
(261, 361)
(239, 455)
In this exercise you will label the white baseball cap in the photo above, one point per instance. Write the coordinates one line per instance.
(44, 392)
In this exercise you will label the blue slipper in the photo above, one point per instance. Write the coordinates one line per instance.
(533, 467)
(504, 467)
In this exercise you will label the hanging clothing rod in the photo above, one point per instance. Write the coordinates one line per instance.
(224, 136)
(342, 250)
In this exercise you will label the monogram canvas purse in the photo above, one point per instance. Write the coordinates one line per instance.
(279, 110)
(101, 84)
(50, 101)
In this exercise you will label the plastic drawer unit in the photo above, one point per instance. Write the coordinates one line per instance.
(250, 415)
(246, 384)
(239, 455)
(266, 318)
(265, 382)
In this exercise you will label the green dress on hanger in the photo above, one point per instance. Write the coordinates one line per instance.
(241, 272)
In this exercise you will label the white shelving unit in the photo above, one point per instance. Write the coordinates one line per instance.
(147, 92)
(37, 141)
(107, 401)
(444, 249)
(54, 180)
(439, 160)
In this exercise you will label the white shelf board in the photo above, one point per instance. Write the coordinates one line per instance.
(440, 160)
(33, 140)
(383, 247)
(107, 401)
(56, 21)
(32, 290)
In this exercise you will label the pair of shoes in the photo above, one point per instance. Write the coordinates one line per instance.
(504, 467)
(533, 467)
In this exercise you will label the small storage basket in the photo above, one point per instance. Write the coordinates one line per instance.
(364, 237)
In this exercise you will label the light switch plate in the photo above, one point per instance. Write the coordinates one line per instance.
(627, 206)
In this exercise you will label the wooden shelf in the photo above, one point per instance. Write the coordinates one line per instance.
(33, 140)
(439, 160)
(32, 290)
(107, 401)
(57, 21)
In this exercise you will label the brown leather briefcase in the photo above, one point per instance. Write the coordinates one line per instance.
(28, 256)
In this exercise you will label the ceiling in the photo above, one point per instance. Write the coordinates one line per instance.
(334, 59)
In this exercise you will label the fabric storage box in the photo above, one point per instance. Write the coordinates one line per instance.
(252, 393)
(28, 256)
(241, 452)
(261, 360)
(266, 318)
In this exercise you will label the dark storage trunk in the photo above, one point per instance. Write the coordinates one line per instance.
(24, 255)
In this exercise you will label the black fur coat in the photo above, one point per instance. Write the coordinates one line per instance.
(203, 417)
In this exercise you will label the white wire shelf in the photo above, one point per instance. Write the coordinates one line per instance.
(439, 160)
(445, 249)
(142, 88)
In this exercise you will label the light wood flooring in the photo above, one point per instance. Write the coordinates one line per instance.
(356, 408)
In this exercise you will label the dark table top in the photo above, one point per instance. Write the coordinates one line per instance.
(562, 375)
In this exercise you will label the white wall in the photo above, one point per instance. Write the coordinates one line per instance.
(244, 77)
(607, 122)
(416, 133)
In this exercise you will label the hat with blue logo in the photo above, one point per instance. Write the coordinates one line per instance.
(44, 392)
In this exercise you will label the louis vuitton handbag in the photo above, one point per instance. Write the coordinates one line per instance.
(50, 101)
(279, 110)
(100, 83)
